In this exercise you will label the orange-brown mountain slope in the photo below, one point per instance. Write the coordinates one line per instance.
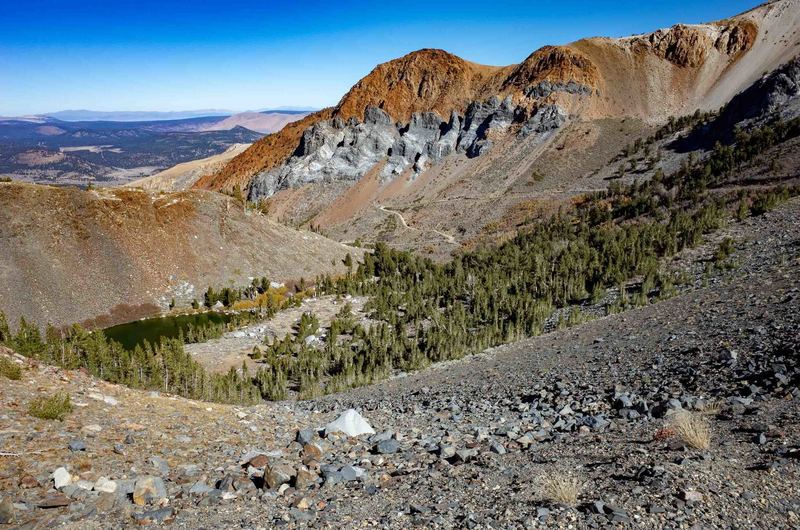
(648, 77)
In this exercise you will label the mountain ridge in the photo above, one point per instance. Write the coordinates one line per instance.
(649, 76)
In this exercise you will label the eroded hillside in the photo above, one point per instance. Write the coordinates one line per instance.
(71, 255)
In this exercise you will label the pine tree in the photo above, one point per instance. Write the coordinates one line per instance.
(5, 332)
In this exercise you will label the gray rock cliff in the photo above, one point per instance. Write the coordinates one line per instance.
(335, 150)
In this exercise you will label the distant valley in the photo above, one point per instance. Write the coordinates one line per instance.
(46, 149)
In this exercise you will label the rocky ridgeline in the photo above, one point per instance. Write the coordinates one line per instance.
(339, 150)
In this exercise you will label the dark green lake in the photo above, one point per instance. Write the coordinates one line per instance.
(153, 329)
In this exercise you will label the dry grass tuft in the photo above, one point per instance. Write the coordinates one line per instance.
(710, 408)
(83, 464)
(694, 429)
(560, 488)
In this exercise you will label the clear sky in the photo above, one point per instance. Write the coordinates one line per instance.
(166, 55)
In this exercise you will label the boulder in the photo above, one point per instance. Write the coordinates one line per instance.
(350, 423)
(200, 488)
(350, 473)
(61, 478)
(305, 436)
(278, 474)
(159, 516)
(7, 515)
(386, 447)
(105, 485)
(149, 489)
(77, 445)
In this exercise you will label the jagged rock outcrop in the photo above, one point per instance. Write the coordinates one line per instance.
(427, 138)
(546, 119)
(480, 119)
(338, 150)
(689, 46)
(545, 88)
(777, 92)
(775, 95)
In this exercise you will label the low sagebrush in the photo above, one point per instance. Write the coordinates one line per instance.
(710, 408)
(53, 407)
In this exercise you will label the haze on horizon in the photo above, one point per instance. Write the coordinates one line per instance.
(178, 56)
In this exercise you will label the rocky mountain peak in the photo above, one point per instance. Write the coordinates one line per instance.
(424, 80)
(558, 64)
(669, 72)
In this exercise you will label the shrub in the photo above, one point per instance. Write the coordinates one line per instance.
(560, 488)
(9, 369)
(693, 429)
(53, 407)
(724, 250)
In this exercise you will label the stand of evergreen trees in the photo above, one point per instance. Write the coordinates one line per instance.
(228, 296)
(193, 334)
(165, 367)
(423, 312)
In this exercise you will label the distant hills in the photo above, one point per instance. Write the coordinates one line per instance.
(263, 122)
(98, 115)
(134, 116)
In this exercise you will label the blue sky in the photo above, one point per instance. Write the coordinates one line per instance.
(166, 55)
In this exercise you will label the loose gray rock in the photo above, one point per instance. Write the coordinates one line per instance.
(7, 512)
(160, 464)
(305, 436)
(278, 474)
(61, 478)
(77, 445)
(386, 447)
(350, 473)
(159, 516)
